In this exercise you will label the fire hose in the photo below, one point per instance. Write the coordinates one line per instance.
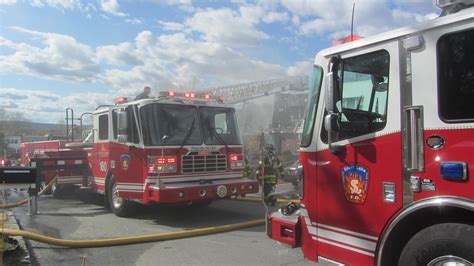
(131, 239)
(25, 201)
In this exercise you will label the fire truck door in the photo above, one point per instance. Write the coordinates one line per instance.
(100, 161)
(359, 188)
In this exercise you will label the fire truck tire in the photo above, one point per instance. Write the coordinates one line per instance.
(443, 243)
(119, 206)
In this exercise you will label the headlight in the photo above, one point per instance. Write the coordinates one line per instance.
(236, 161)
(158, 164)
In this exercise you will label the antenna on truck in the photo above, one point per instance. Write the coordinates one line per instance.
(352, 22)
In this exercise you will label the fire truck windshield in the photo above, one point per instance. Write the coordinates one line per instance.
(175, 121)
(188, 125)
(219, 126)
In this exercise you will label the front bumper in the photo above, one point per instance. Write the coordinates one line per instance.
(189, 192)
(285, 228)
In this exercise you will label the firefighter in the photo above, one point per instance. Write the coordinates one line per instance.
(247, 169)
(268, 171)
(145, 94)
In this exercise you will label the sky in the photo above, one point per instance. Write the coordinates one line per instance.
(56, 54)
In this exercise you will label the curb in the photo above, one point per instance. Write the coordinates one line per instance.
(12, 223)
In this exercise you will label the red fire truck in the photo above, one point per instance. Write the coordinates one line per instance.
(387, 149)
(181, 148)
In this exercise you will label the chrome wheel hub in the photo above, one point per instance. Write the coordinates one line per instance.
(116, 200)
(449, 260)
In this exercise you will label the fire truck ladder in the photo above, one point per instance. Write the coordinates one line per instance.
(248, 91)
(70, 127)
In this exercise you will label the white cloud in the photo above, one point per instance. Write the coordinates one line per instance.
(46, 106)
(61, 57)
(295, 20)
(271, 17)
(178, 2)
(166, 61)
(318, 26)
(171, 26)
(185, 5)
(59, 4)
(333, 18)
(227, 26)
(7, 2)
(300, 68)
(176, 61)
(111, 7)
(119, 55)
(134, 21)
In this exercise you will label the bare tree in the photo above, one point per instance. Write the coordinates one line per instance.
(13, 123)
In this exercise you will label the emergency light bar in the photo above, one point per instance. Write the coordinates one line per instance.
(191, 95)
(120, 100)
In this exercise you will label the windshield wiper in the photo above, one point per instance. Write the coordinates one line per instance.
(358, 104)
(219, 138)
(188, 134)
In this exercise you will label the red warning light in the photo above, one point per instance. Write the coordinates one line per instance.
(187, 95)
(120, 100)
(207, 96)
(192, 95)
(171, 93)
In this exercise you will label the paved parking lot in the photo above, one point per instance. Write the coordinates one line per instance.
(83, 217)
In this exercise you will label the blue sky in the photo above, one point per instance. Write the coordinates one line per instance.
(70, 53)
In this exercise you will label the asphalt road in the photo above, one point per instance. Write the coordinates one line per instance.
(83, 217)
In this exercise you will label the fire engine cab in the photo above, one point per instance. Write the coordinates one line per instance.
(180, 148)
(387, 149)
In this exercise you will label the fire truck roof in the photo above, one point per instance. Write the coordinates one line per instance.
(165, 100)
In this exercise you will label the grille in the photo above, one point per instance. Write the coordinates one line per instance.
(204, 163)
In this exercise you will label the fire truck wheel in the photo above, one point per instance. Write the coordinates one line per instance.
(119, 206)
(440, 244)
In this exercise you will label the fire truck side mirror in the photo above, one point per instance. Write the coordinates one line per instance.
(122, 124)
(331, 123)
(331, 89)
(122, 121)
(328, 93)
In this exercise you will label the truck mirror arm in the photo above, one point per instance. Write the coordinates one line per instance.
(331, 124)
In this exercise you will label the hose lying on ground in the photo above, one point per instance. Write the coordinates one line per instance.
(131, 239)
(25, 201)
(279, 201)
